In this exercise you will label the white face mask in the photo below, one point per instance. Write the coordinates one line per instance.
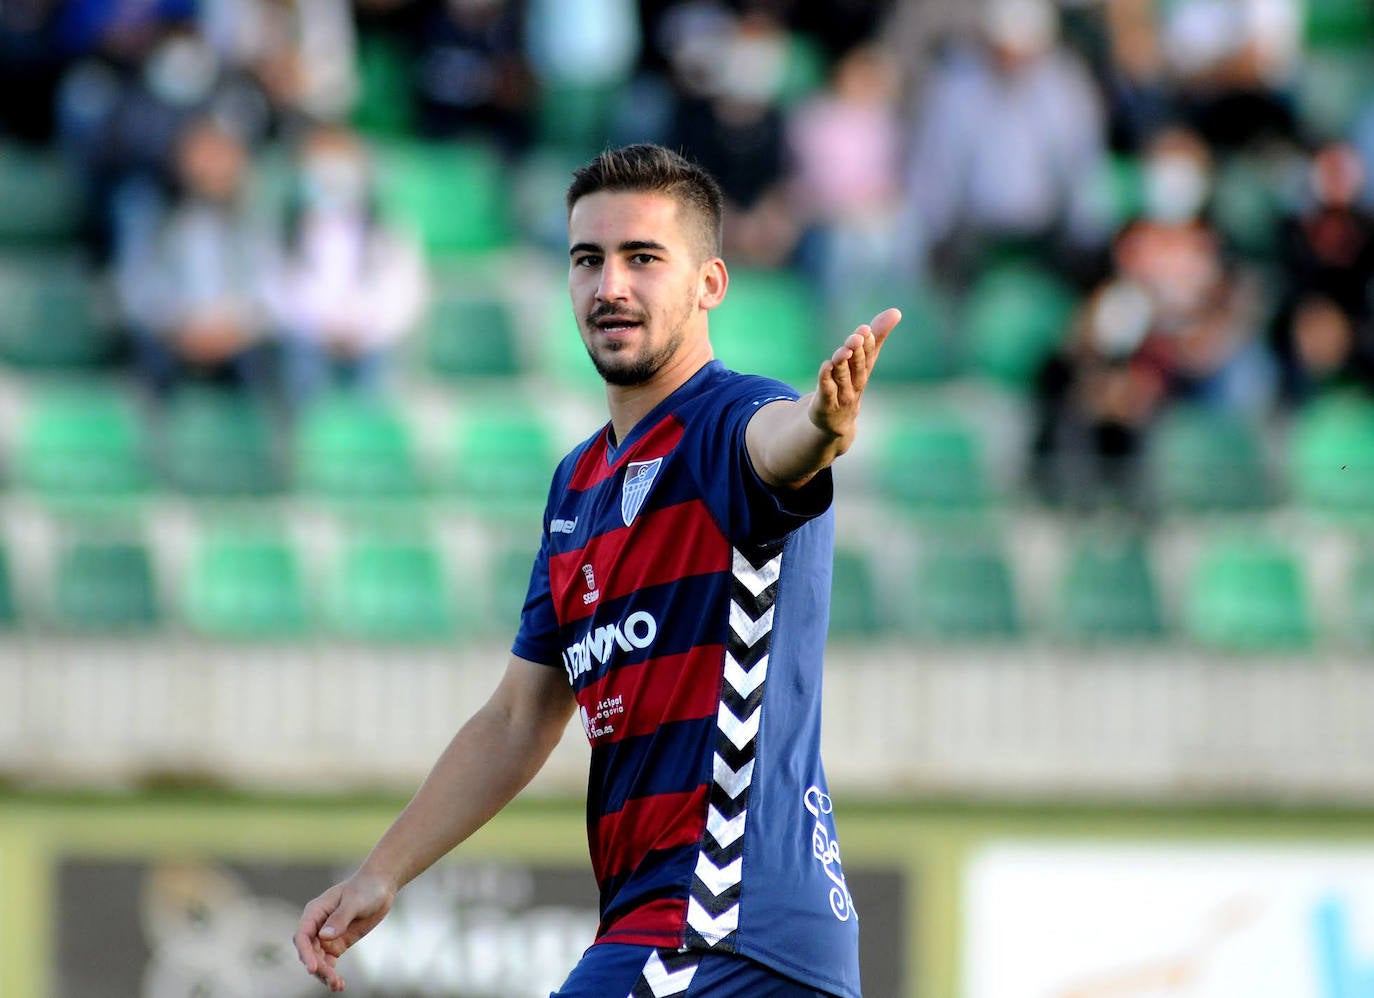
(181, 71)
(1176, 188)
(334, 182)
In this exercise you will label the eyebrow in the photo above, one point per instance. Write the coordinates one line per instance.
(630, 246)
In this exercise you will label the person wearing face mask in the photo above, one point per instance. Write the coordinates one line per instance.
(349, 286)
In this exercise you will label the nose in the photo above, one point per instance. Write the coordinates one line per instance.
(612, 286)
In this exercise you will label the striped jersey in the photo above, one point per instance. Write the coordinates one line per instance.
(687, 603)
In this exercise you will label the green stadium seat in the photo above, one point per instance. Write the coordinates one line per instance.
(931, 462)
(1331, 456)
(245, 585)
(104, 585)
(1362, 598)
(502, 461)
(1338, 24)
(1118, 190)
(1245, 207)
(854, 607)
(964, 590)
(922, 349)
(804, 71)
(40, 196)
(9, 608)
(564, 357)
(82, 442)
(1108, 591)
(385, 106)
(508, 582)
(470, 337)
(1202, 460)
(1014, 316)
(52, 318)
(390, 590)
(575, 116)
(1247, 594)
(454, 194)
(349, 447)
(767, 325)
(220, 443)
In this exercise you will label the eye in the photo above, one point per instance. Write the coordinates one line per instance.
(587, 261)
(641, 259)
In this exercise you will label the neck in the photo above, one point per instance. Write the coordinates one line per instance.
(628, 404)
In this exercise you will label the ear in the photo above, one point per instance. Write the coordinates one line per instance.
(715, 279)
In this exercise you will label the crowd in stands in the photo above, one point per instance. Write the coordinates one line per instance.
(1194, 179)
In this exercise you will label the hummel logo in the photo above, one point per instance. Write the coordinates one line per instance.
(563, 526)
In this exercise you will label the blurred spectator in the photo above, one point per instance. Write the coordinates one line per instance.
(846, 148)
(1205, 311)
(1007, 143)
(728, 120)
(349, 286)
(302, 52)
(31, 64)
(471, 72)
(1323, 327)
(1232, 61)
(1173, 320)
(193, 297)
(1135, 74)
(120, 124)
(587, 43)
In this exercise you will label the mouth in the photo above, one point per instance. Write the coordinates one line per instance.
(616, 324)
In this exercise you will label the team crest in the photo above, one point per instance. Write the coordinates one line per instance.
(639, 478)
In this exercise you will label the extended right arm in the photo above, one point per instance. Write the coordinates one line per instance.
(487, 763)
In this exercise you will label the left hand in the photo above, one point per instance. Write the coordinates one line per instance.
(834, 407)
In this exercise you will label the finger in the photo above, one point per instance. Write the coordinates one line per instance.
(826, 390)
(882, 325)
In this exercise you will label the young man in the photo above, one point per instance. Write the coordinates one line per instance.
(678, 603)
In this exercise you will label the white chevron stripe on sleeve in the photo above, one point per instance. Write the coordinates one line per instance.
(756, 580)
(713, 930)
(729, 780)
(745, 683)
(719, 879)
(746, 627)
(740, 733)
(724, 832)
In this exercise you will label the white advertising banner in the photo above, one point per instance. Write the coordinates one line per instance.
(1176, 921)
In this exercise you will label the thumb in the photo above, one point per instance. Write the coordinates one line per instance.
(339, 921)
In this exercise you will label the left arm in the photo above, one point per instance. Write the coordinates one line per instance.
(790, 442)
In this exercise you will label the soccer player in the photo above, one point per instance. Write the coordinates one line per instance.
(678, 605)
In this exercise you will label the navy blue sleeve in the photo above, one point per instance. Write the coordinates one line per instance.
(748, 509)
(537, 638)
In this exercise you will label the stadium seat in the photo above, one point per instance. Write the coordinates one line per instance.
(508, 582)
(564, 357)
(470, 337)
(220, 443)
(854, 608)
(1202, 460)
(453, 193)
(767, 325)
(104, 585)
(350, 447)
(1331, 456)
(922, 350)
(1247, 594)
(575, 117)
(1108, 591)
(40, 196)
(82, 442)
(502, 461)
(1118, 190)
(932, 463)
(963, 590)
(1338, 24)
(1245, 207)
(9, 609)
(1014, 316)
(385, 106)
(390, 590)
(52, 317)
(245, 585)
(1362, 598)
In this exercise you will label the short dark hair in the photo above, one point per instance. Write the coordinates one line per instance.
(645, 167)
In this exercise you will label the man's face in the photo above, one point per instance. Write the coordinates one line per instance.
(636, 279)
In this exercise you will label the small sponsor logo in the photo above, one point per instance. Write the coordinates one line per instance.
(639, 478)
(602, 722)
(826, 851)
(593, 594)
(563, 526)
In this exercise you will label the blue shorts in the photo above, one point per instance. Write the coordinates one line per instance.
(613, 970)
